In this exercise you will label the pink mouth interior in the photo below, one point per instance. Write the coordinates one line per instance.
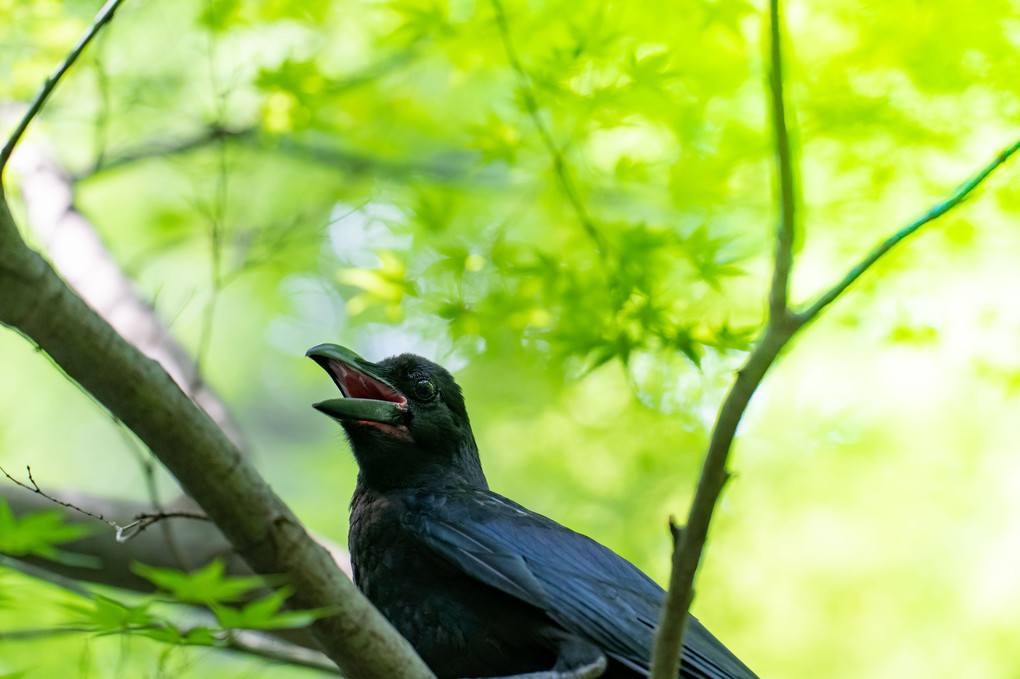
(354, 384)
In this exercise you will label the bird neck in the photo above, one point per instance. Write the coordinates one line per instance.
(456, 467)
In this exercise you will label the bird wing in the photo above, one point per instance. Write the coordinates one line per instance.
(583, 586)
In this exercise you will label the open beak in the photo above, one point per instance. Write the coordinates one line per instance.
(367, 395)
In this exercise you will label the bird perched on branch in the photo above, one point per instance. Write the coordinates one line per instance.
(479, 585)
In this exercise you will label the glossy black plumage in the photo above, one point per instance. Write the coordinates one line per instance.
(480, 585)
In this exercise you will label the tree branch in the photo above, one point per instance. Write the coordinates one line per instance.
(958, 196)
(688, 549)
(238, 643)
(196, 548)
(320, 152)
(782, 325)
(77, 251)
(103, 17)
(209, 467)
(161, 149)
(123, 532)
(779, 292)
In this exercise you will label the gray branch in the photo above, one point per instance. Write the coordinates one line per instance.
(38, 304)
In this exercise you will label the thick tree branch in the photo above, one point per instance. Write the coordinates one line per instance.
(211, 469)
(102, 18)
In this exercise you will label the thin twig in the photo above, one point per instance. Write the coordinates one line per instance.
(123, 533)
(962, 193)
(102, 122)
(217, 221)
(531, 102)
(204, 137)
(35, 489)
(103, 17)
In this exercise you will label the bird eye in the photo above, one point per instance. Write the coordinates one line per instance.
(424, 389)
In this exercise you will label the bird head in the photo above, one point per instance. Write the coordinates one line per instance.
(404, 416)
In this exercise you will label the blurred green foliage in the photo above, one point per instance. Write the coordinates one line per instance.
(36, 534)
(373, 173)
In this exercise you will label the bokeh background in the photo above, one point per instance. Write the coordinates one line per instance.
(584, 239)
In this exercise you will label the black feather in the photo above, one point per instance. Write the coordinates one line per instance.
(478, 584)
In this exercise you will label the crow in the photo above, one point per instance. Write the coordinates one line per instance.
(479, 585)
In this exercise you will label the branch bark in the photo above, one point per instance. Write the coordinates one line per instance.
(956, 198)
(781, 326)
(37, 303)
(201, 543)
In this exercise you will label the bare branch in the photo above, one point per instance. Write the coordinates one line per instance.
(277, 651)
(781, 327)
(103, 17)
(444, 168)
(123, 533)
(669, 636)
(199, 545)
(958, 196)
(689, 545)
(161, 149)
(35, 489)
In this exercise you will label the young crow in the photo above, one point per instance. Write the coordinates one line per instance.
(479, 585)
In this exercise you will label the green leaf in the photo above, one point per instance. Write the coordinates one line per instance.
(108, 616)
(171, 634)
(37, 534)
(266, 614)
(220, 15)
(206, 585)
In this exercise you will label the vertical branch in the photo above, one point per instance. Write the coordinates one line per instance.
(782, 325)
(668, 646)
(779, 293)
(217, 221)
(103, 17)
(102, 122)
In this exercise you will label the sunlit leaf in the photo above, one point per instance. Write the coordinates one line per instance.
(203, 586)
